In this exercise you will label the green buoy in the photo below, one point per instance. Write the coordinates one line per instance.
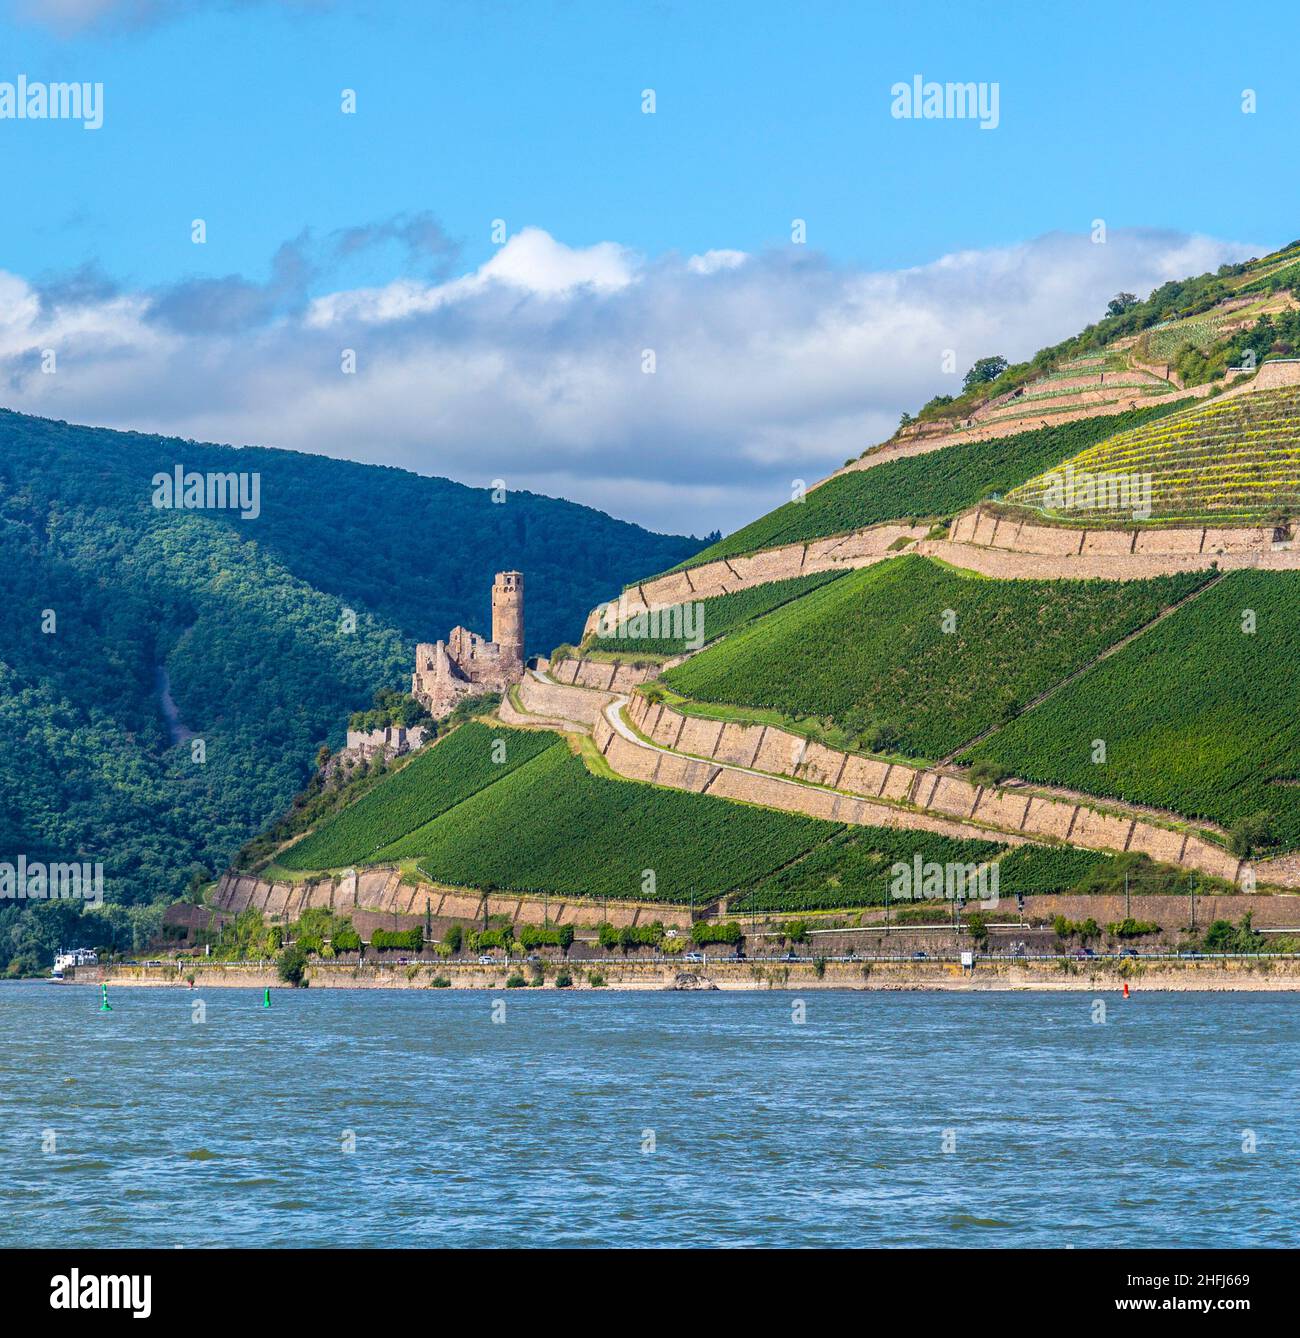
(104, 1005)
(266, 998)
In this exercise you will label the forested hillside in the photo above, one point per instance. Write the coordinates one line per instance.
(101, 594)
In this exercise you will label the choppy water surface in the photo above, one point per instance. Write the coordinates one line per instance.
(530, 1132)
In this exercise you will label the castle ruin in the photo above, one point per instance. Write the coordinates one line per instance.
(465, 665)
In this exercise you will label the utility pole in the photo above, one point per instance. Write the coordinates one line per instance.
(1128, 905)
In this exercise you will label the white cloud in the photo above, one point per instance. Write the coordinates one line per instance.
(712, 261)
(534, 261)
(769, 367)
(531, 262)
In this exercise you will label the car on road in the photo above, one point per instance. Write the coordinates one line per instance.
(1082, 954)
(1129, 952)
(790, 957)
(920, 956)
(488, 960)
(1192, 953)
(692, 957)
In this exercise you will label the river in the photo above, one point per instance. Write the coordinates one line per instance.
(646, 1119)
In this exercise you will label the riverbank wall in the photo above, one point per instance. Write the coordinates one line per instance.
(1209, 975)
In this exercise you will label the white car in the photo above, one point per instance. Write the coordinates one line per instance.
(487, 960)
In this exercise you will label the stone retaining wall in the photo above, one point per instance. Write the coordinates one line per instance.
(985, 528)
(639, 762)
(381, 890)
(860, 548)
(1012, 811)
(934, 438)
(1088, 977)
(1023, 550)
(564, 704)
(602, 675)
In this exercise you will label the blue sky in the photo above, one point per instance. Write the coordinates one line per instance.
(531, 113)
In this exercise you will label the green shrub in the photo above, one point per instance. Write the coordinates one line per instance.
(1224, 936)
(347, 939)
(1250, 833)
(536, 936)
(410, 939)
(977, 923)
(292, 965)
(1084, 929)
(707, 931)
(479, 939)
(1131, 928)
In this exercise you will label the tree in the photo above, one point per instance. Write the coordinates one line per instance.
(1121, 303)
(1250, 833)
(985, 371)
(292, 965)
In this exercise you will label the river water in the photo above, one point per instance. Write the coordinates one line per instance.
(646, 1119)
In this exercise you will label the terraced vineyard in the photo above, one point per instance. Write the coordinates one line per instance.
(936, 484)
(1077, 385)
(433, 781)
(1233, 460)
(552, 826)
(1197, 715)
(1283, 268)
(720, 616)
(854, 869)
(870, 652)
(1163, 343)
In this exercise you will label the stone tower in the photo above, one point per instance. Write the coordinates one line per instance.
(508, 617)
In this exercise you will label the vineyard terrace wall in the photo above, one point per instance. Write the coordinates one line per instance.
(859, 548)
(926, 437)
(636, 761)
(1013, 813)
(981, 540)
